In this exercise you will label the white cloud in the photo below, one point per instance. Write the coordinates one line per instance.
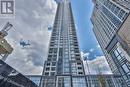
(91, 50)
(31, 21)
(96, 65)
(84, 55)
(98, 46)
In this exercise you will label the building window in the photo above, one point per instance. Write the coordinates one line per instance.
(117, 10)
(47, 73)
(64, 81)
(49, 59)
(55, 50)
(52, 73)
(80, 73)
(121, 14)
(66, 70)
(125, 68)
(51, 49)
(80, 68)
(111, 16)
(79, 82)
(47, 68)
(49, 56)
(78, 63)
(55, 55)
(48, 64)
(53, 68)
(53, 63)
(54, 59)
(120, 53)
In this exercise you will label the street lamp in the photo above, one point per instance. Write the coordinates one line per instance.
(89, 77)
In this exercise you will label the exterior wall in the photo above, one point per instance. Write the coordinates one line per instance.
(35, 78)
(107, 18)
(106, 81)
(63, 49)
(120, 59)
(124, 33)
(64, 59)
(125, 3)
(79, 81)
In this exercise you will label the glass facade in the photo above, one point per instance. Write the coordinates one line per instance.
(64, 59)
(35, 78)
(121, 60)
(79, 82)
(48, 81)
(63, 81)
(125, 3)
(63, 44)
(106, 81)
(107, 18)
(9, 77)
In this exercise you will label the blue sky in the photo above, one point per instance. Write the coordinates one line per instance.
(82, 10)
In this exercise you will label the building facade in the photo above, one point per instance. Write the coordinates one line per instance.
(9, 77)
(64, 59)
(107, 18)
(124, 34)
(125, 3)
(105, 81)
(92, 81)
(34, 78)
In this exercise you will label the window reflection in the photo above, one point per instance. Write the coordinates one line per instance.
(79, 82)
